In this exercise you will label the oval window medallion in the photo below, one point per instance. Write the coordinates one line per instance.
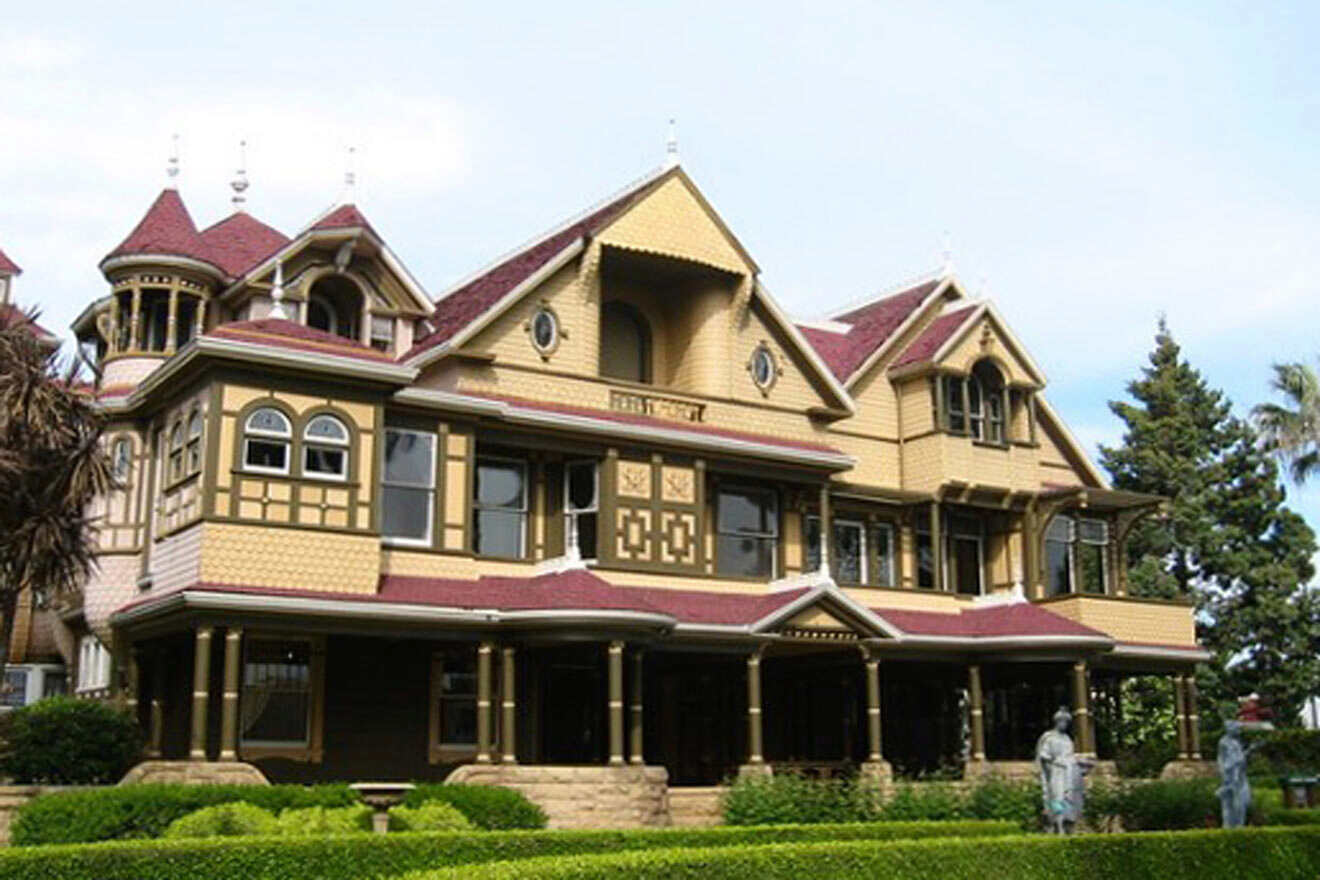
(544, 329)
(763, 367)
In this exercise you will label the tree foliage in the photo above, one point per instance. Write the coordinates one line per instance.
(1229, 540)
(51, 467)
(1292, 431)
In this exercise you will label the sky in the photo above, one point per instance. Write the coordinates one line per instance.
(1090, 166)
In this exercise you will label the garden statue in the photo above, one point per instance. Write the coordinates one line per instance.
(1062, 775)
(1234, 788)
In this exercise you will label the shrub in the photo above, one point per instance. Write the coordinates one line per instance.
(1165, 805)
(360, 857)
(1146, 760)
(1251, 854)
(429, 816)
(63, 741)
(324, 820)
(487, 806)
(223, 820)
(1285, 752)
(792, 799)
(133, 811)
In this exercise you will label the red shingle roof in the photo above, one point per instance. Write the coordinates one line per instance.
(12, 314)
(652, 422)
(240, 241)
(870, 326)
(344, 217)
(470, 301)
(287, 334)
(943, 328)
(168, 229)
(1015, 619)
(8, 266)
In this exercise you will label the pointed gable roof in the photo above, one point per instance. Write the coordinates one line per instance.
(346, 216)
(166, 229)
(8, 266)
(933, 338)
(474, 297)
(869, 327)
(240, 241)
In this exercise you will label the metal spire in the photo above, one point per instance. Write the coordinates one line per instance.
(350, 177)
(671, 146)
(277, 295)
(240, 182)
(172, 167)
(946, 267)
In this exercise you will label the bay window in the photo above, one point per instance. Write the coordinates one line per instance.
(974, 404)
(408, 486)
(499, 507)
(266, 441)
(1076, 556)
(275, 708)
(325, 449)
(748, 532)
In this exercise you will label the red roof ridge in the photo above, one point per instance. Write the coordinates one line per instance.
(290, 334)
(8, 266)
(869, 327)
(240, 241)
(936, 334)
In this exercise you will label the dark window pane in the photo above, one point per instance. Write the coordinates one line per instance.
(458, 721)
(406, 513)
(276, 698)
(1058, 578)
(266, 454)
(498, 533)
(499, 484)
(581, 486)
(925, 562)
(408, 458)
(15, 690)
(1091, 567)
(884, 556)
(586, 535)
(743, 556)
(967, 566)
(847, 559)
(747, 511)
(324, 461)
(813, 544)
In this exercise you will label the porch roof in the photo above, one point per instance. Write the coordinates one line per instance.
(1008, 620)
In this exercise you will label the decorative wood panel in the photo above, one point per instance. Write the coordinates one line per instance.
(656, 511)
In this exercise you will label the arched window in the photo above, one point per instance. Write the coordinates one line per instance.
(974, 404)
(334, 304)
(194, 448)
(325, 449)
(122, 458)
(176, 451)
(266, 441)
(625, 343)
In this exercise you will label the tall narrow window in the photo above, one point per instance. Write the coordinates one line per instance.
(1058, 556)
(1089, 549)
(884, 555)
(847, 551)
(748, 521)
(581, 504)
(966, 554)
(276, 704)
(925, 560)
(123, 458)
(124, 321)
(325, 449)
(176, 451)
(408, 487)
(382, 333)
(955, 405)
(975, 418)
(500, 508)
(625, 343)
(193, 452)
(266, 441)
(155, 319)
(454, 690)
(185, 320)
(994, 418)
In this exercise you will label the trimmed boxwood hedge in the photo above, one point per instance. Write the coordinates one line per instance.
(130, 812)
(366, 856)
(1247, 854)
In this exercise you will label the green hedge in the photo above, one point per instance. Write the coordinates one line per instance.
(486, 806)
(63, 741)
(1249, 854)
(366, 856)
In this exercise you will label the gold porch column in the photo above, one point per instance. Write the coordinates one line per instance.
(135, 322)
(172, 320)
(616, 703)
(1082, 710)
(483, 702)
(936, 549)
(754, 755)
(826, 528)
(635, 745)
(156, 724)
(229, 708)
(977, 712)
(510, 706)
(873, 708)
(1193, 717)
(1180, 717)
(201, 692)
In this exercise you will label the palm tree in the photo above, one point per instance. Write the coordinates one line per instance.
(52, 466)
(1292, 430)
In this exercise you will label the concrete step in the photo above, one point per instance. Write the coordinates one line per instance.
(695, 807)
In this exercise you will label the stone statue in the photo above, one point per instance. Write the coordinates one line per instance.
(1234, 787)
(1062, 775)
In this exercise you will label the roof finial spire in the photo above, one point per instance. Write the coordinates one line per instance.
(172, 167)
(350, 177)
(671, 146)
(277, 295)
(946, 266)
(240, 182)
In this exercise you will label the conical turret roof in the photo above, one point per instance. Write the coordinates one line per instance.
(8, 266)
(240, 241)
(166, 229)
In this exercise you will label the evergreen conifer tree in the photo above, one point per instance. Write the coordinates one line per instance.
(1229, 540)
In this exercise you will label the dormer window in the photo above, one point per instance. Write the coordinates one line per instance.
(974, 404)
(266, 441)
(382, 333)
(334, 304)
(625, 343)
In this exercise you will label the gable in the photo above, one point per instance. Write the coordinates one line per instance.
(798, 384)
(985, 337)
(674, 221)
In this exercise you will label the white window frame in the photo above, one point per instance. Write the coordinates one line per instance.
(522, 511)
(263, 434)
(571, 513)
(309, 442)
(177, 465)
(311, 694)
(192, 442)
(373, 337)
(885, 577)
(950, 569)
(93, 665)
(863, 546)
(403, 541)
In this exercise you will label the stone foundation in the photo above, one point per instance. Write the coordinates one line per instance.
(195, 773)
(582, 797)
(1187, 769)
(1027, 771)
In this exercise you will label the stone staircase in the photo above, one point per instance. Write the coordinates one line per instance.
(695, 807)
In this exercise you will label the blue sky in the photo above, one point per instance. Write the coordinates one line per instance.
(1095, 167)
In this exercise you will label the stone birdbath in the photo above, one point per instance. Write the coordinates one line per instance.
(380, 796)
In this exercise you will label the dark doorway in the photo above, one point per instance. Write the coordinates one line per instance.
(1020, 702)
(573, 700)
(923, 716)
(813, 712)
(696, 710)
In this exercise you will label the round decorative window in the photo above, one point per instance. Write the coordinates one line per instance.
(545, 330)
(763, 367)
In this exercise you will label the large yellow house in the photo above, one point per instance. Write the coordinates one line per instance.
(602, 504)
